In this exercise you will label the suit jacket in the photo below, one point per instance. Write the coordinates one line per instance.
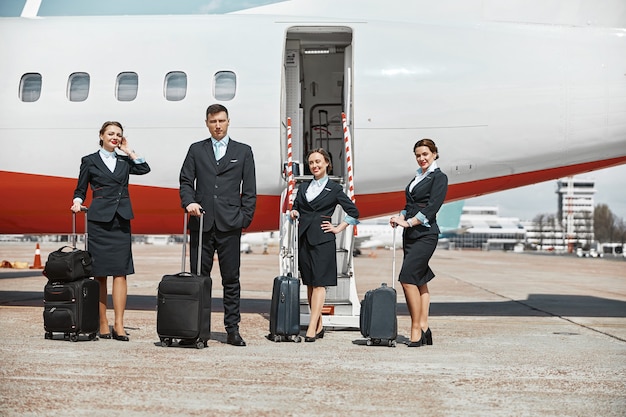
(226, 189)
(427, 197)
(109, 189)
(320, 209)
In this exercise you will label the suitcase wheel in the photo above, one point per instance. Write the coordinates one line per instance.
(376, 342)
(297, 339)
(74, 337)
(92, 336)
(273, 337)
(166, 342)
(391, 343)
(48, 335)
(201, 344)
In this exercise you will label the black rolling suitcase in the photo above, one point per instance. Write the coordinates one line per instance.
(378, 318)
(71, 307)
(184, 303)
(285, 306)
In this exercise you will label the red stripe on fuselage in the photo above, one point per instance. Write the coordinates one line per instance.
(40, 204)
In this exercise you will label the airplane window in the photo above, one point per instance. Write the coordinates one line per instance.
(175, 86)
(30, 87)
(225, 85)
(127, 84)
(78, 86)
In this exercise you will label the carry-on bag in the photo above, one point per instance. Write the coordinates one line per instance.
(184, 303)
(285, 305)
(69, 263)
(71, 306)
(378, 319)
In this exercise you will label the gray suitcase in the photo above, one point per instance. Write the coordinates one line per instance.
(285, 305)
(378, 319)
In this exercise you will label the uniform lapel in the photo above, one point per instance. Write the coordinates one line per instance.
(120, 166)
(319, 200)
(424, 183)
(99, 163)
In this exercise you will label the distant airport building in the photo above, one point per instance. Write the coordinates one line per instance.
(482, 228)
(572, 227)
(575, 209)
(545, 234)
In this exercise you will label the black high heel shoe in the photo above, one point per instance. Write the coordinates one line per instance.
(320, 335)
(427, 337)
(120, 337)
(105, 335)
(309, 339)
(418, 343)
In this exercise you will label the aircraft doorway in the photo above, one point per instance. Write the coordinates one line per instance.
(317, 88)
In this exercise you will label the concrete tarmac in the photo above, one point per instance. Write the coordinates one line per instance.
(514, 335)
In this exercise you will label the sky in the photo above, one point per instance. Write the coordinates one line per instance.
(13, 8)
(527, 202)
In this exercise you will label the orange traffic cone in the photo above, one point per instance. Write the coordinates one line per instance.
(37, 263)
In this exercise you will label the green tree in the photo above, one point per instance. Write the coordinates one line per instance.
(604, 224)
(620, 228)
(539, 220)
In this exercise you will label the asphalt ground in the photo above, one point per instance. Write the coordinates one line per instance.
(514, 334)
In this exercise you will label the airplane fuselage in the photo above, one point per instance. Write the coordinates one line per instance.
(508, 104)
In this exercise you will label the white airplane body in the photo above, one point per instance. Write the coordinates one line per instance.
(375, 236)
(511, 97)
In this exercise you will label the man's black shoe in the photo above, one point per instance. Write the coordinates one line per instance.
(235, 339)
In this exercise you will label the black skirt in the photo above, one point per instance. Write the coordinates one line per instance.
(318, 263)
(109, 244)
(417, 252)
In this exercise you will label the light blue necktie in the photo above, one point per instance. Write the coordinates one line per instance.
(219, 150)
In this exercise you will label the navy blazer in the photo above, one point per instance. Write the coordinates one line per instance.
(320, 209)
(427, 197)
(226, 189)
(109, 189)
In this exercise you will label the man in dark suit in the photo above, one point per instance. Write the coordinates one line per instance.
(218, 176)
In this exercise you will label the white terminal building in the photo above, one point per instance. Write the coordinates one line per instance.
(481, 227)
(576, 205)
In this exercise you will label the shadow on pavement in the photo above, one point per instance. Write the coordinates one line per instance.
(534, 305)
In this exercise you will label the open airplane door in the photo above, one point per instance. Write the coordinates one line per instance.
(317, 89)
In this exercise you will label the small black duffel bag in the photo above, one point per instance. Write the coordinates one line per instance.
(68, 265)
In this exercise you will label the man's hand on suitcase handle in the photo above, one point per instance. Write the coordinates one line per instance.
(195, 209)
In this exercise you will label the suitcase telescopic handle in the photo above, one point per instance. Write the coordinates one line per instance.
(393, 262)
(294, 268)
(199, 241)
(74, 236)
